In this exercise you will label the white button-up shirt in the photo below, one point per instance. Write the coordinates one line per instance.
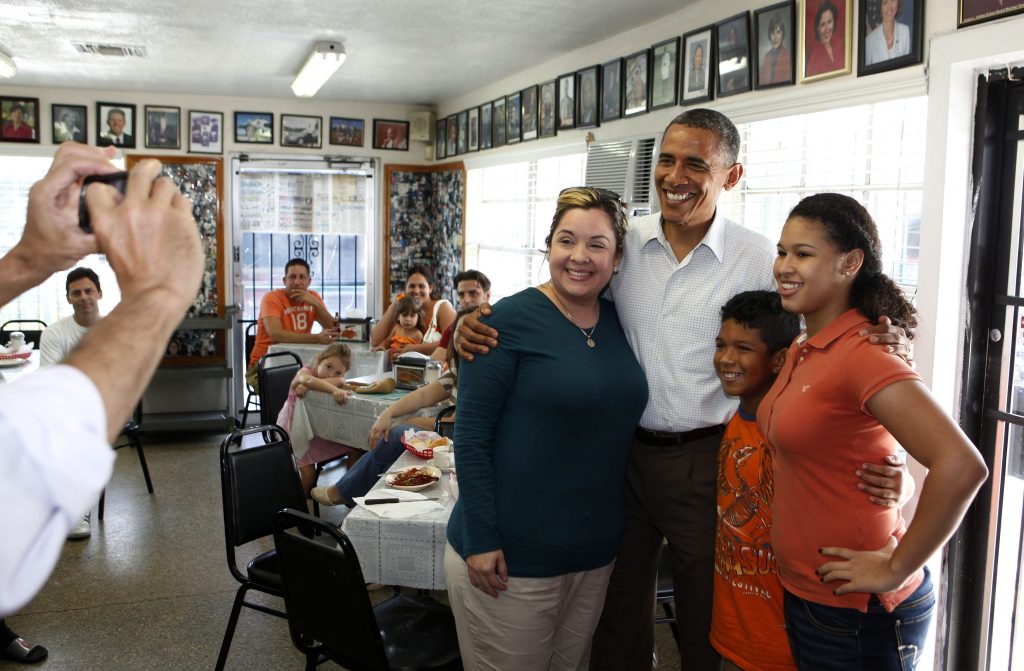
(671, 311)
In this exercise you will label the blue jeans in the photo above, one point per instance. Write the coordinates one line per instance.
(823, 638)
(364, 475)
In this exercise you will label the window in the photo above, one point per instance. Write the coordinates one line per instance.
(874, 153)
(508, 215)
(47, 301)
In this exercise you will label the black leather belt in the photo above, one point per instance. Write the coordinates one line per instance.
(664, 439)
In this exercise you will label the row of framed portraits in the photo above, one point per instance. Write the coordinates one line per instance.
(116, 124)
(769, 47)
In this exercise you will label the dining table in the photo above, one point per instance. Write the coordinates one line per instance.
(364, 360)
(406, 551)
(11, 371)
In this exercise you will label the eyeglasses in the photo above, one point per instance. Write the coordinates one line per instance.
(601, 192)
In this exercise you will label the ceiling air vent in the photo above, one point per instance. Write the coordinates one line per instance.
(110, 49)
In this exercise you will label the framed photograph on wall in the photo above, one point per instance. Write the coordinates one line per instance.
(499, 122)
(298, 130)
(69, 123)
(347, 132)
(665, 73)
(567, 101)
(254, 127)
(825, 30)
(634, 79)
(390, 134)
(115, 125)
(206, 132)
(588, 84)
(611, 90)
(696, 77)
(474, 129)
(452, 142)
(773, 37)
(19, 119)
(890, 35)
(486, 128)
(529, 109)
(547, 120)
(732, 44)
(463, 139)
(441, 139)
(162, 125)
(513, 118)
(972, 12)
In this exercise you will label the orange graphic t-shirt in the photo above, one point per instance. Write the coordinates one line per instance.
(747, 624)
(295, 317)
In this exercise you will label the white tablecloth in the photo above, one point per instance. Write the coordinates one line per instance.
(12, 372)
(407, 552)
(364, 362)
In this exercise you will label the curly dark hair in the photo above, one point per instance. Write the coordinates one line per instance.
(762, 310)
(849, 226)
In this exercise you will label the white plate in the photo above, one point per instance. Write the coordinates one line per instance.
(12, 362)
(390, 478)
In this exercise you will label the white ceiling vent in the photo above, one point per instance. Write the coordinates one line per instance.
(110, 49)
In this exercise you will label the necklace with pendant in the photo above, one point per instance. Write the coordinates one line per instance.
(588, 336)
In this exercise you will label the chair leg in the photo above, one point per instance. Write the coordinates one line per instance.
(229, 633)
(672, 623)
(137, 444)
(103, 496)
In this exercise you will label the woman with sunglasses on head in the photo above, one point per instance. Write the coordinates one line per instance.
(543, 436)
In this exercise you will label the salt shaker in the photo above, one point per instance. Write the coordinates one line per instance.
(431, 372)
(17, 341)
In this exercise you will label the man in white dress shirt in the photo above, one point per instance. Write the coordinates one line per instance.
(56, 424)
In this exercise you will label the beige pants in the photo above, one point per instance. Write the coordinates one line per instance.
(537, 623)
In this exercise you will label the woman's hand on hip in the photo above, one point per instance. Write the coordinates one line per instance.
(488, 572)
(868, 571)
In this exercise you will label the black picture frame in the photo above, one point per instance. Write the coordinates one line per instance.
(300, 130)
(462, 145)
(486, 127)
(636, 97)
(973, 12)
(391, 134)
(588, 87)
(547, 124)
(452, 141)
(346, 132)
(513, 118)
(69, 123)
(529, 108)
(163, 126)
(732, 46)
(566, 101)
(254, 128)
(611, 90)
(25, 113)
(128, 133)
(776, 63)
(205, 132)
(697, 76)
(474, 129)
(499, 123)
(907, 38)
(665, 73)
(441, 139)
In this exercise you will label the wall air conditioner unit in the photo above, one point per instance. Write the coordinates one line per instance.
(626, 166)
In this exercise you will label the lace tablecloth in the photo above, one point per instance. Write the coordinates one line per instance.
(364, 362)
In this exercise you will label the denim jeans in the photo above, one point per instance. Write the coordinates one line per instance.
(364, 475)
(826, 637)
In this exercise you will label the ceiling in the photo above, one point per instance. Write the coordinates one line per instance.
(420, 52)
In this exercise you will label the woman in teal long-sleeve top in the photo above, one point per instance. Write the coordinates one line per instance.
(542, 440)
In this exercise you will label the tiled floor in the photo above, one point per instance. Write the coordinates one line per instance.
(151, 589)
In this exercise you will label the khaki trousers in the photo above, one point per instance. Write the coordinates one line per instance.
(536, 624)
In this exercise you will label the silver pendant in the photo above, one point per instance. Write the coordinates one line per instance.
(590, 343)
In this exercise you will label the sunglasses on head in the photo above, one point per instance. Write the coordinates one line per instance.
(601, 192)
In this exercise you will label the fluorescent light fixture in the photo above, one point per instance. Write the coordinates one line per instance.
(7, 66)
(325, 60)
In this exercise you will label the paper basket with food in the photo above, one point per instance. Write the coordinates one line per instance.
(423, 443)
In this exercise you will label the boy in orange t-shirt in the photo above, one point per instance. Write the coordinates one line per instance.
(747, 624)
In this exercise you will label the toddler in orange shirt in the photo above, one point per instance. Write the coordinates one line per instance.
(747, 625)
(408, 330)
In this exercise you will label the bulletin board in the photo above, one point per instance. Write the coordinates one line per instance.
(202, 180)
(425, 212)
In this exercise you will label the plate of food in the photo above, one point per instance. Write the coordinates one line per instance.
(423, 443)
(15, 357)
(413, 478)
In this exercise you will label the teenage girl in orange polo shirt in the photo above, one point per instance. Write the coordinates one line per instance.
(857, 593)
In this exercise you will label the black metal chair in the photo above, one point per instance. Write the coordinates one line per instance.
(322, 580)
(252, 397)
(442, 427)
(665, 594)
(132, 433)
(257, 481)
(32, 335)
(276, 371)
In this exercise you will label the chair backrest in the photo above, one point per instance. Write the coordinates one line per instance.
(257, 480)
(320, 581)
(445, 428)
(32, 334)
(250, 341)
(276, 372)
